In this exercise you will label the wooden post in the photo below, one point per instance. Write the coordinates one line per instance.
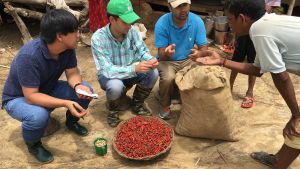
(77, 3)
(21, 25)
(291, 7)
(27, 13)
(45, 3)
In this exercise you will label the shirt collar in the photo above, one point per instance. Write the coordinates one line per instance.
(112, 37)
(44, 49)
(108, 31)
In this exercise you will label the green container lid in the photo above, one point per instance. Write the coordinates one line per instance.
(100, 146)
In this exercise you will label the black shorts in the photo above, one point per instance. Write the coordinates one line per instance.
(244, 47)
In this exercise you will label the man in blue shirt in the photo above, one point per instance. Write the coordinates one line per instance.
(122, 59)
(176, 33)
(32, 89)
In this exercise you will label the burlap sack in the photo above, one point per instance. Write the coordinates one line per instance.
(206, 109)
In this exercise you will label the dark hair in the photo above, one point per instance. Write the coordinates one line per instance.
(57, 21)
(254, 9)
(108, 15)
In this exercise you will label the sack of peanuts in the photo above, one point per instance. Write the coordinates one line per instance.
(206, 109)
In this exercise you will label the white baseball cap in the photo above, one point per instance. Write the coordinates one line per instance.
(175, 3)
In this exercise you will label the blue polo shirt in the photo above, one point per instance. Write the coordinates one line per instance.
(34, 67)
(167, 33)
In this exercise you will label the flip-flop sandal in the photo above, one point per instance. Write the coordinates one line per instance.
(227, 49)
(247, 102)
(264, 158)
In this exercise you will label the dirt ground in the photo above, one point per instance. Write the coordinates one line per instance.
(261, 126)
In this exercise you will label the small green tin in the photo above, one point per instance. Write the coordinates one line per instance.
(100, 146)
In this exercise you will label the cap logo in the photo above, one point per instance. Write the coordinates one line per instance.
(129, 8)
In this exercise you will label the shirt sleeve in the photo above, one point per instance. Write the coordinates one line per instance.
(104, 64)
(141, 47)
(201, 39)
(28, 72)
(268, 56)
(160, 35)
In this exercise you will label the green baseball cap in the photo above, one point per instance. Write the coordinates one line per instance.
(123, 9)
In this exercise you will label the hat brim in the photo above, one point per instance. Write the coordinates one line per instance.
(176, 3)
(130, 17)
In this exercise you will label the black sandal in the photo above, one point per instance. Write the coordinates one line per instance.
(264, 158)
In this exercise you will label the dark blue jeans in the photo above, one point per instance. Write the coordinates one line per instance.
(35, 118)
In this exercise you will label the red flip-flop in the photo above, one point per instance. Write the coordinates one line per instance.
(247, 102)
(227, 49)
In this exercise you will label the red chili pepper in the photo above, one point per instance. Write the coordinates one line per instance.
(141, 137)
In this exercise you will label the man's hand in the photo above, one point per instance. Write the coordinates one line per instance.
(143, 67)
(84, 88)
(268, 8)
(154, 63)
(290, 128)
(195, 53)
(170, 50)
(208, 58)
(75, 109)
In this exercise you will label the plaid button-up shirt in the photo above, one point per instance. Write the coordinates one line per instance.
(116, 59)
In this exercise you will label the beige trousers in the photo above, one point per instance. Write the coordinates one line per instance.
(167, 73)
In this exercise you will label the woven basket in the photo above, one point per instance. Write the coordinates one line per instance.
(146, 157)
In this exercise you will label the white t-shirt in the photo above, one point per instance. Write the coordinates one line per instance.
(276, 39)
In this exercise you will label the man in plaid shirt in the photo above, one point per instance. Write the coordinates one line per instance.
(122, 60)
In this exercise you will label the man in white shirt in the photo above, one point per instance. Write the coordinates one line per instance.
(276, 41)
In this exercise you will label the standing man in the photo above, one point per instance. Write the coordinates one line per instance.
(176, 33)
(32, 89)
(277, 52)
(245, 49)
(122, 59)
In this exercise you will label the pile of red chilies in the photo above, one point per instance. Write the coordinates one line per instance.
(142, 137)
